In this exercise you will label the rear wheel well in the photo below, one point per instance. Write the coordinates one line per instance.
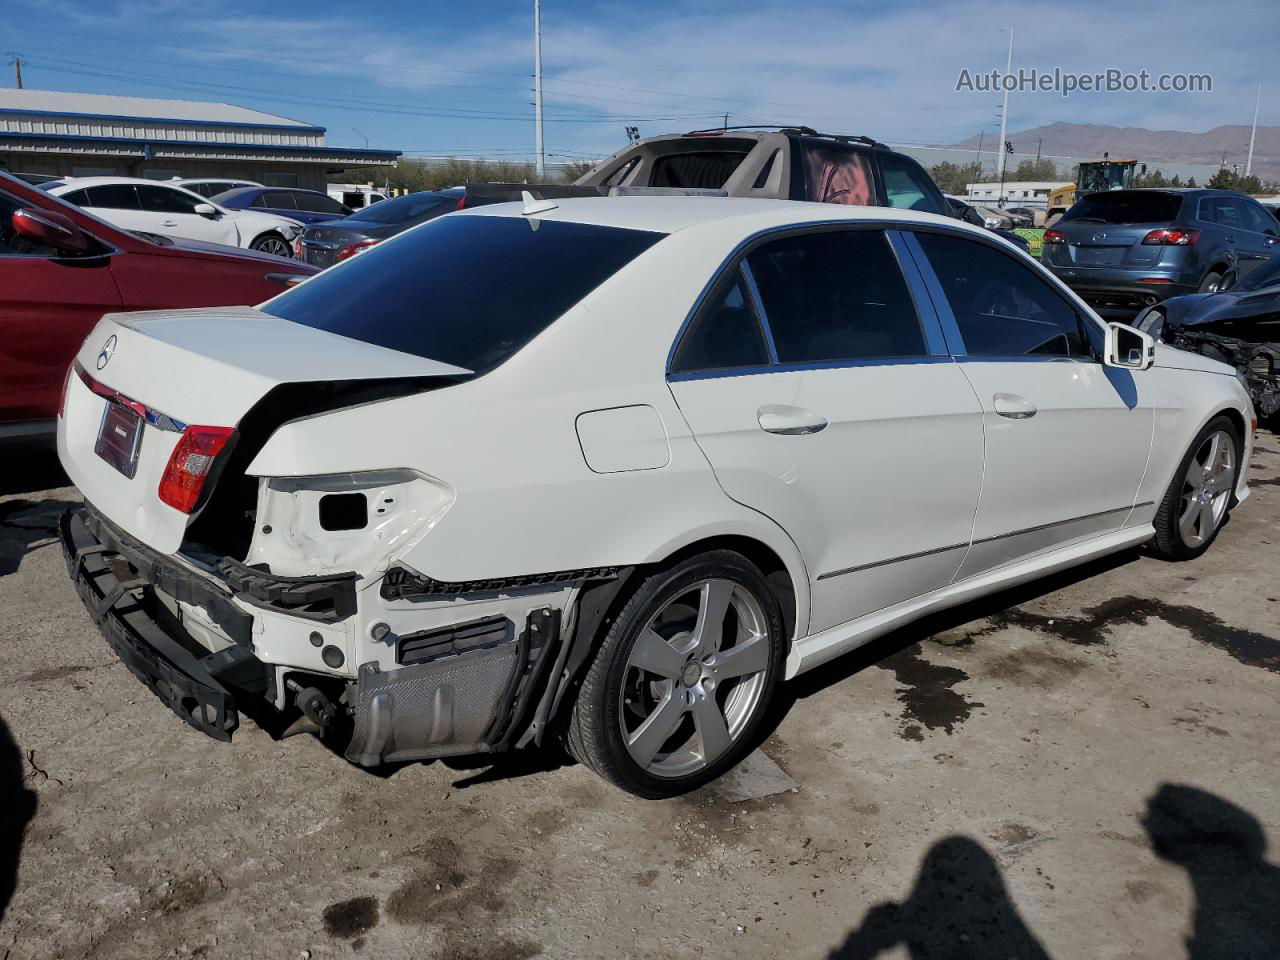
(775, 571)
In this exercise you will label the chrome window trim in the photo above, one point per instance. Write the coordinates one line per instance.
(813, 226)
(934, 337)
(807, 365)
(762, 318)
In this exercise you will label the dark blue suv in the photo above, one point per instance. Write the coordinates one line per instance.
(1126, 249)
(309, 206)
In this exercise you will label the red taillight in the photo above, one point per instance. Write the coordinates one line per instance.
(462, 202)
(1055, 236)
(1167, 237)
(66, 382)
(189, 465)
(297, 247)
(351, 249)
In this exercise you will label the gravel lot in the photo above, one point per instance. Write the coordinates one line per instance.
(1085, 767)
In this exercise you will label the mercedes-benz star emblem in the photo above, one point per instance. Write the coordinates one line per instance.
(107, 350)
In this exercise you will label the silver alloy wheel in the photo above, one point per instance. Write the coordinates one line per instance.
(273, 245)
(694, 678)
(1207, 487)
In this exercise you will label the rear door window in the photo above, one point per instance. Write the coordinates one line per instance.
(836, 295)
(317, 203)
(1003, 309)
(164, 200)
(113, 196)
(837, 175)
(907, 186)
(276, 200)
(469, 291)
(1125, 207)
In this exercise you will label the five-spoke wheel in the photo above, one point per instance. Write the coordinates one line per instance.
(1198, 500)
(682, 677)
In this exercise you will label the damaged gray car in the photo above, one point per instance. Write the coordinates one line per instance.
(1239, 325)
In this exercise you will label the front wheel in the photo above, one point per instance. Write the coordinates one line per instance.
(682, 678)
(272, 243)
(1199, 497)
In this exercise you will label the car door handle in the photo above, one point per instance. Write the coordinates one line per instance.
(1013, 406)
(1231, 239)
(168, 223)
(789, 421)
(1269, 242)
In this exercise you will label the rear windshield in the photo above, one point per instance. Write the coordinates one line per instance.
(403, 208)
(704, 169)
(465, 290)
(1125, 207)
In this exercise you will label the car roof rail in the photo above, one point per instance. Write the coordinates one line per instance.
(798, 130)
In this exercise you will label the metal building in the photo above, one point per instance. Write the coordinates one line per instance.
(89, 134)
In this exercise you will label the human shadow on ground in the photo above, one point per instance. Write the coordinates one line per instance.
(17, 807)
(1222, 848)
(958, 908)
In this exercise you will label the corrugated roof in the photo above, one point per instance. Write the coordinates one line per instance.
(98, 104)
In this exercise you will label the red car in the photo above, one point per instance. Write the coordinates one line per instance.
(62, 269)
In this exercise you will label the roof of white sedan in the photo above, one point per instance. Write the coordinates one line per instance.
(667, 214)
(71, 183)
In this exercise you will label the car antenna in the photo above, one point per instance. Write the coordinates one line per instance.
(533, 205)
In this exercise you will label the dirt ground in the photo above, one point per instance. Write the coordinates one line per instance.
(1083, 768)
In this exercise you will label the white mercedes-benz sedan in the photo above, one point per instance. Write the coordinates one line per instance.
(608, 471)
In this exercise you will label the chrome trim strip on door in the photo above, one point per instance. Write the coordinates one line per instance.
(1000, 536)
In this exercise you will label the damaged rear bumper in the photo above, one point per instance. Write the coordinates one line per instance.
(114, 581)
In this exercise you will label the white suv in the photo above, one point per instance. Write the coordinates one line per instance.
(610, 470)
(151, 206)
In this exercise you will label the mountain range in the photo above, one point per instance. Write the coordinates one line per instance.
(1152, 147)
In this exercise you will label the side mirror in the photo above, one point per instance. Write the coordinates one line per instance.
(1228, 280)
(1128, 348)
(207, 210)
(52, 229)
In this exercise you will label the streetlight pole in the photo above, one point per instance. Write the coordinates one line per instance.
(1253, 134)
(537, 90)
(1004, 118)
(366, 139)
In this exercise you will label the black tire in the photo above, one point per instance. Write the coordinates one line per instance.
(1169, 542)
(272, 243)
(595, 729)
(1211, 282)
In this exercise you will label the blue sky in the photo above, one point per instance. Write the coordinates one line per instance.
(455, 78)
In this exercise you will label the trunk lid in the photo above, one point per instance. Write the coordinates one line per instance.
(205, 367)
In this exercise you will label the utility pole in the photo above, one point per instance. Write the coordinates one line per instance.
(1253, 134)
(16, 60)
(726, 121)
(1039, 143)
(537, 90)
(1004, 118)
(981, 134)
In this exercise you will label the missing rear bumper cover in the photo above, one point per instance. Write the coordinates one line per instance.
(402, 584)
(330, 598)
